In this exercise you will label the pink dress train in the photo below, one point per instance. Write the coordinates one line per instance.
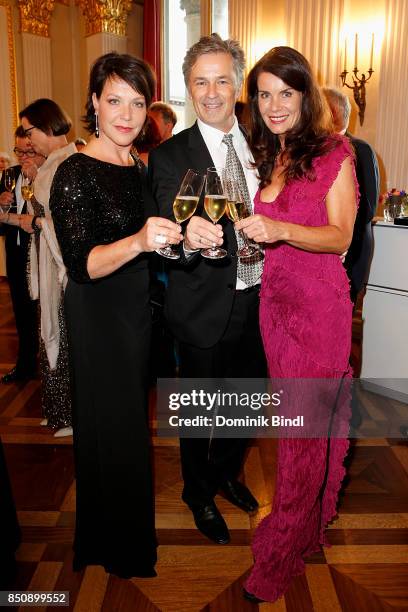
(305, 319)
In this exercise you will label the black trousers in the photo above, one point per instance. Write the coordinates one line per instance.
(10, 536)
(238, 354)
(25, 309)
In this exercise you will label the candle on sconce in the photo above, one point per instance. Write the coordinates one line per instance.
(345, 55)
(372, 51)
(355, 51)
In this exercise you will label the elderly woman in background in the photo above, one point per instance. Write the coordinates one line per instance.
(304, 215)
(99, 204)
(4, 161)
(46, 126)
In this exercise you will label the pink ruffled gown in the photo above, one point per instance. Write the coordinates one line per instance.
(305, 319)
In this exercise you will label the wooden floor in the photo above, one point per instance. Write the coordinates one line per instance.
(366, 568)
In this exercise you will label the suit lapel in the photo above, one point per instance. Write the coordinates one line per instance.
(200, 154)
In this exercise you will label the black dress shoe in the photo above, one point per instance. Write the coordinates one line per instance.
(253, 598)
(239, 495)
(211, 524)
(14, 376)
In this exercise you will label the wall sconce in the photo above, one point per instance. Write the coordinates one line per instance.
(358, 87)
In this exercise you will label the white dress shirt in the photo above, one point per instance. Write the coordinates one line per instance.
(218, 151)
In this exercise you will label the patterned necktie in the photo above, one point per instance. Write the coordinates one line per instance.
(249, 270)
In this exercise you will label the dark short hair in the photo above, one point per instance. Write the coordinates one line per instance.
(19, 132)
(308, 138)
(134, 71)
(47, 116)
(168, 114)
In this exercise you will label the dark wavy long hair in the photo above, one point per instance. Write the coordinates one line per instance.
(309, 137)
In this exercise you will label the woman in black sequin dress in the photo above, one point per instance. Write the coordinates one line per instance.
(99, 205)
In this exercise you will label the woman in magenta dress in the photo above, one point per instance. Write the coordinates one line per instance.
(304, 215)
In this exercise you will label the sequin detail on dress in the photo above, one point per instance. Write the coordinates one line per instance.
(55, 384)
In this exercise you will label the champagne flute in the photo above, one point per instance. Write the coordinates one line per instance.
(184, 206)
(10, 184)
(236, 210)
(9, 179)
(215, 202)
(27, 190)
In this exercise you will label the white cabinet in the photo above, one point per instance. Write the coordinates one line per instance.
(385, 314)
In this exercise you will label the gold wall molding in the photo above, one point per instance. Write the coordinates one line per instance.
(105, 16)
(35, 16)
(12, 61)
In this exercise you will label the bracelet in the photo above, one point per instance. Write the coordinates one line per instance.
(34, 223)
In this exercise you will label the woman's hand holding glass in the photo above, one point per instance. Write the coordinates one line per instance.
(184, 205)
(262, 229)
(158, 231)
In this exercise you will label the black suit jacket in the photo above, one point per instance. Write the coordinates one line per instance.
(200, 291)
(11, 231)
(360, 252)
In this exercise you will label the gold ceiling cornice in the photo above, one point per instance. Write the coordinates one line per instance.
(35, 16)
(109, 16)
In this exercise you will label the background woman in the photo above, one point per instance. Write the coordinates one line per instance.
(99, 204)
(46, 126)
(305, 212)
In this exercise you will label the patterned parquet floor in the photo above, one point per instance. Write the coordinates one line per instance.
(365, 569)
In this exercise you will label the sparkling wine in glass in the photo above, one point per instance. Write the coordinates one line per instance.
(236, 210)
(215, 203)
(10, 184)
(184, 205)
(27, 189)
(9, 179)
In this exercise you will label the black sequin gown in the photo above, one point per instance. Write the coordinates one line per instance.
(108, 323)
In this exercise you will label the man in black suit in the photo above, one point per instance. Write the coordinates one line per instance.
(17, 241)
(211, 305)
(358, 257)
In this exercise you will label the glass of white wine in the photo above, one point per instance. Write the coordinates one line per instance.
(215, 203)
(10, 184)
(27, 190)
(184, 205)
(236, 210)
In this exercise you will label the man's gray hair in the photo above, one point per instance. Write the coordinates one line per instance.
(339, 104)
(215, 44)
(168, 114)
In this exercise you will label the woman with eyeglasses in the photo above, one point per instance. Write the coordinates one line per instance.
(17, 243)
(46, 126)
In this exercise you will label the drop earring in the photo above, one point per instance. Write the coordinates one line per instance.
(96, 125)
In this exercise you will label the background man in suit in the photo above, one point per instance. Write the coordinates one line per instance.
(359, 254)
(17, 241)
(212, 311)
(164, 117)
